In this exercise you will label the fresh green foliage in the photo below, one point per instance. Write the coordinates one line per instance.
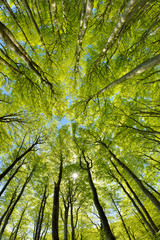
(79, 77)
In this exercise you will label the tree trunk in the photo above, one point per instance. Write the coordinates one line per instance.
(16, 20)
(119, 213)
(106, 227)
(150, 63)
(152, 188)
(102, 235)
(2, 175)
(10, 41)
(66, 203)
(18, 225)
(138, 181)
(45, 230)
(55, 212)
(143, 224)
(26, 5)
(135, 205)
(9, 206)
(40, 216)
(118, 29)
(12, 233)
(138, 200)
(108, 233)
(14, 204)
(85, 15)
(66, 210)
(54, 13)
(72, 223)
(133, 7)
(11, 177)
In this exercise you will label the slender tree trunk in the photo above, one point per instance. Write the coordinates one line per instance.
(2, 175)
(14, 204)
(85, 15)
(106, 227)
(102, 236)
(40, 216)
(138, 200)
(18, 225)
(9, 206)
(136, 206)
(138, 181)
(72, 223)
(26, 5)
(150, 63)
(125, 19)
(16, 20)
(152, 188)
(45, 230)
(18, 72)
(55, 212)
(114, 35)
(119, 213)
(10, 41)
(11, 177)
(66, 210)
(133, 7)
(143, 224)
(108, 233)
(12, 233)
(54, 12)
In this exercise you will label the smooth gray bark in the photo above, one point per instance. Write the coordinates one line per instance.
(148, 64)
(85, 15)
(118, 28)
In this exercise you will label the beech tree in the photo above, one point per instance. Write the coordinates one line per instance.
(79, 96)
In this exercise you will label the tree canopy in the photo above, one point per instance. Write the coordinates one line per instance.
(79, 119)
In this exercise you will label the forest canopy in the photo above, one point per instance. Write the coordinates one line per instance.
(79, 119)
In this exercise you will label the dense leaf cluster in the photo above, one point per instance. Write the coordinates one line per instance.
(79, 92)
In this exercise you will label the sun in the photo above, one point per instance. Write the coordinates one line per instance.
(75, 175)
